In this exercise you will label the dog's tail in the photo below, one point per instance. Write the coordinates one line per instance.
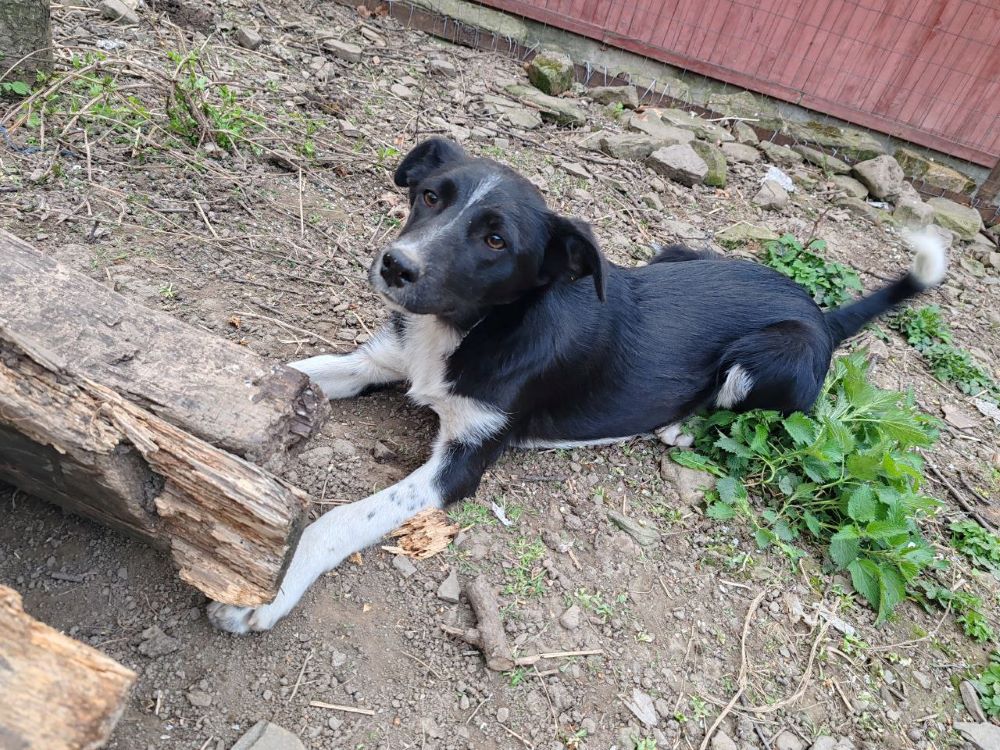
(928, 270)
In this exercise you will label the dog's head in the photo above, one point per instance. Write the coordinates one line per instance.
(478, 235)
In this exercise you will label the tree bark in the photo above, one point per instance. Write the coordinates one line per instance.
(55, 693)
(117, 413)
(25, 39)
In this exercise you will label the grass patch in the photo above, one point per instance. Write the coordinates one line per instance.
(830, 284)
(525, 577)
(471, 513)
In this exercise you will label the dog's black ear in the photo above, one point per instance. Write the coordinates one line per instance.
(424, 159)
(573, 252)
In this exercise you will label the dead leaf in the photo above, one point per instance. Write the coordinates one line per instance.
(356, 559)
(424, 535)
(958, 418)
(235, 321)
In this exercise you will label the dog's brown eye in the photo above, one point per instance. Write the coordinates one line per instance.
(430, 198)
(495, 241)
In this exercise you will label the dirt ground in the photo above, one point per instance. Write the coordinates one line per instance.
(269, 246)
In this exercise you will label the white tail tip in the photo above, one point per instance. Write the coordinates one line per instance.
(931, 260)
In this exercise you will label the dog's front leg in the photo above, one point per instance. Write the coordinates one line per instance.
(376, 362)
(453, 471)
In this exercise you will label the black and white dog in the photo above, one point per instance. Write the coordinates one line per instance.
(510, 324)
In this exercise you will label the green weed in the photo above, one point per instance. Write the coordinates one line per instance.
(988, 686)
(14, 88)
(525, 578)
(830, 284)
(977, 544)
(921, 326)
(846, 477)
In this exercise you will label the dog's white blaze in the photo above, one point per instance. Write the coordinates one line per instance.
(380, 360)
(414, 243)
(735, 389)
(930, 264)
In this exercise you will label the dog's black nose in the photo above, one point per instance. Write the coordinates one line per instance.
(398, 270)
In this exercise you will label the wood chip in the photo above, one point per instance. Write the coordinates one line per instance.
(426, 534)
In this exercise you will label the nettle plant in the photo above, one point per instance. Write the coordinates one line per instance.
(846, 477)
(830, 284)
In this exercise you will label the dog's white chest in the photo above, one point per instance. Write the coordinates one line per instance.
(426, 347)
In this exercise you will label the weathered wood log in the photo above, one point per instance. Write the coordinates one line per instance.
(120, 414)
(55, 693)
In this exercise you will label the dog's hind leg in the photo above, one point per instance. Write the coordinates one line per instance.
(378, 361)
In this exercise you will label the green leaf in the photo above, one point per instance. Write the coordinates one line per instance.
(20, 88)
(726, 443)
(864, 577)
(693, 460)
(892, 590)
(862, 505)
(730, 490)
(784, 531)
(764, 538)
(801, 428)
(813, 524)
(844, 546)
(864, 466)
(721, 512)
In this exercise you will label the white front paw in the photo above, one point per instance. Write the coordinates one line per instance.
(241, 620)
(673, 435)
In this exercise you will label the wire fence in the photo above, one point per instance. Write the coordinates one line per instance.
(920, 71)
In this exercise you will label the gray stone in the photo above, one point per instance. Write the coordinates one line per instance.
(248, 37)
(645, 536)
(702, 128)
(343, 50)
(970, 697)
(745, 134)
(964, 221)
(642, 706)
(576, 169)
(850, 186)
(882, 176)
(680, 163)
(788, 741)
(627, 96)
(771, 195)
(526, 119)
(722, 741)
(442, 67)
(649, 122)
(747, 105)
(984, 736)
(741, 233)
(560, 111)
(780, 155)
(916, 166)
(551, 72)
(741, 152)
(503, 713)
(450, 590)
(856, 145)
(267, 736)
(403, 565)
(652, 200)
(570, 619)
(913, 213)
(824, 743)
(199, 698)
(923, 679)
(629, 145)
(689, 483)
(824, 161)
(861, 208)
(718, 169)
(116, 10)
(317, 458)
(157, 643)
(344, 448)
(403, 92)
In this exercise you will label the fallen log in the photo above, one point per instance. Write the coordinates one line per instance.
(129, 417)
(56, 693)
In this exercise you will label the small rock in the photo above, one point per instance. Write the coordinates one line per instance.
(382, 452)
(442, 67)
(653, 201)
(709, 131)
(642, 706)
(576, 169)
(334, 723)
(771, 195)
(984, 736)
(741, 152)
(248, 37)
(344, 448)
(630, 145)
(649, 123)
(823, 161)
(964, 221)
(722, 741)
(403, 565)
(780, 155)
(745, 134)
(959, 418)
(645, 536)
(450, 590)
(913, 213)
(627, 96)
(882, 176)
(970, 697)
(116, 10)
(923, 679)
(503, 713)
(919, 167)
(551, 72)
(343, 50)
(680, 163)
(267, 736)
(317, 458)
(788, 741)
(861, 208)
(199, 698)
(824, 743)
(850, 186)
(157, 643)
(403, 92)
(740, 233)
(715, 158)
(525, 119)
(560, 111)
(570, 619)
(589, 726)
(689, 483)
